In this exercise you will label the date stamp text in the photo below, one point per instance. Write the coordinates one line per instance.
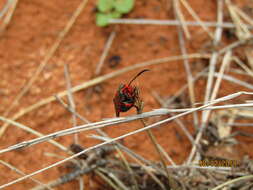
(219, 163)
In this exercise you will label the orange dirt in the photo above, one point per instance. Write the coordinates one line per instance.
(33, 30)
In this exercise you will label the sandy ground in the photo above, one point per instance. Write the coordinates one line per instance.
(27, 40)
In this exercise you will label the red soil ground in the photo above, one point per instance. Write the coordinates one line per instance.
(32, 31)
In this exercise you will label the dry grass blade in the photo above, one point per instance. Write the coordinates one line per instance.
(210, 77)
(67, 177)
(102, 60)
(71, 99)
(44, 62)
(212, 66)
(178, 121)
(71, 110)
(107, 180)
(23, 174)
(186, 64)
(225, 62)
(243, 15)
(225, 98)
(243, 66)
(159, 149)
(182, 89)
(32, 131)
(114, 121)
(160, 152)
(11, 9)
(132, 175)
(206, 115)
(213, 61)
(235, 44)
(173, 23)
(219, 29)
(137, 160)
(233, 181)
(242, 31)
(5, 8)
(196, 17)
(81, 183)
(117, 181)
(180, 18)
(105, 52)
(150, 173)
(235, 80)
(73, 107)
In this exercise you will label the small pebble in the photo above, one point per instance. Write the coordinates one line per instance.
(114, 61)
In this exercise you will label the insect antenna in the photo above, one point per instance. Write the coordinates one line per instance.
(138, 75)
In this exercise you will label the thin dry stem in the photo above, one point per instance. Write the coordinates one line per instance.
(5, 8)
(178, 121)
(186, 66)
(243, 66)
(225, 62)
(138, 161)
(71, 99)
(45, 186)
(11, 9)
(173, 23)
(183, 88)
(73, 107)
(212, 66)
(107, 179)
(235, 80)
(196, 17)
(132, 175)
(105, 52)
(224, 65)
(242, 31)
(213, 60)
(235, 44)
(233, 181)
(153, 139)
(243, 15)
(181, 19)
(32, 131)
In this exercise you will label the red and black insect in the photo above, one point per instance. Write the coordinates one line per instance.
(127, 96)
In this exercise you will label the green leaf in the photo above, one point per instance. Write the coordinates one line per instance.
(124, 6)
(115, 14)
(102, 19)
(105, 5)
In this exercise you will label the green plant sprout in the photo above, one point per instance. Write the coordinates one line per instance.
(111, 9)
